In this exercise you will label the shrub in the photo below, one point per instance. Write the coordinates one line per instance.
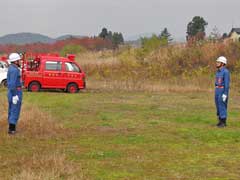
(149, 45)
(72, 49)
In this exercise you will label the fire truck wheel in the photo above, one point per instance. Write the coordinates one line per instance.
(72, 88)
(34, 87)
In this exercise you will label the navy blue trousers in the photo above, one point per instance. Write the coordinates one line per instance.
(220, 105)
(14, 109)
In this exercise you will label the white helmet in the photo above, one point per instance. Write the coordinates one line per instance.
(222, 59)
(14, 57)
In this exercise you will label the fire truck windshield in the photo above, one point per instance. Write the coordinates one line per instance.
(72, 67)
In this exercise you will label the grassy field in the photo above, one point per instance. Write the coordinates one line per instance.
(111, 135)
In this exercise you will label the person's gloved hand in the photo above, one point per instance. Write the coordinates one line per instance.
(15, 99)
(224, 97)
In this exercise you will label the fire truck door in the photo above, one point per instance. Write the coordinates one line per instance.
(53, 75)
(72, 73)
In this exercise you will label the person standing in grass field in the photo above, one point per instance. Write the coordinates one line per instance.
(222, 82)
(14, 85)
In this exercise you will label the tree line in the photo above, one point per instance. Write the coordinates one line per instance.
(195, 32)
(115, 37)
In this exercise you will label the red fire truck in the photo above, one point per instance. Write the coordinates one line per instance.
(50, 71)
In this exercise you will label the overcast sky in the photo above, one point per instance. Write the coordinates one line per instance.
(131, 17)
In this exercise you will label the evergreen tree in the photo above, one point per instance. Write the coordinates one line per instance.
(109, 35)
(121, 39)
(165, 35)
(115, 37)
(196, 27)
(104, 33)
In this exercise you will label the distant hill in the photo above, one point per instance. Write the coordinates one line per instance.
(29, 38)
(25, 38)
(68, 36)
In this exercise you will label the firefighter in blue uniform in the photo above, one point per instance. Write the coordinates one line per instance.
(222, 82)
(14, 91)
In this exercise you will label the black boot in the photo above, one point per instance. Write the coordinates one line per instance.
(222, 123)
(12, 129)
(219, 121)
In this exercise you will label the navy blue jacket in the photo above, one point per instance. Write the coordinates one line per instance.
(13, 79)
(223, 80)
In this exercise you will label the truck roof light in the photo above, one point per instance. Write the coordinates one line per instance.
(71, 57)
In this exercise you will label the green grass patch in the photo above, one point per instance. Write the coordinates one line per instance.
(138, 135)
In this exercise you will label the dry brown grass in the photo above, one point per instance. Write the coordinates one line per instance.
(93, 58)
(47, 167)
(37, 123)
